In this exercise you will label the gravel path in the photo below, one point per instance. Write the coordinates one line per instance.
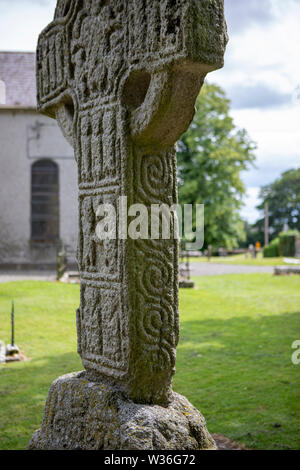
(212, 269)
(197, 269)
(27, 276)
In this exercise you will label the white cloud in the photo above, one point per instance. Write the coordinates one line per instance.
(277, 133)
(267, 51)
(21, 21)
(249, 212)
(266, 54)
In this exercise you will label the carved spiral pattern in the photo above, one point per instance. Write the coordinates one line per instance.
(155, 278)
(157, 330)
(156, 298)
(155, 175)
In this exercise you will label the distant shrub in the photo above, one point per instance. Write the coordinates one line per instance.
(287, 243)
(272, 250)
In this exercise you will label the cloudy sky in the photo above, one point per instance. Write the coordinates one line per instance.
(261, 75)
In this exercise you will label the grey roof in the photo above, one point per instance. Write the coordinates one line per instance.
(17, 71)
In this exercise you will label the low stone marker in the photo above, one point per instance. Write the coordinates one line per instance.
(286, 270)
(185, 280)
(2, 353)
(121, 78)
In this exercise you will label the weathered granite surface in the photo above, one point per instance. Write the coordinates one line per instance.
(81, 414)
(121, 78)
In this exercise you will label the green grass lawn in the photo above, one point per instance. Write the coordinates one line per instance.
(242, 259)
(233, 361)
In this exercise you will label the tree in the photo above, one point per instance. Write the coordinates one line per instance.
(211, 156)
(283, 198)
(253, 234)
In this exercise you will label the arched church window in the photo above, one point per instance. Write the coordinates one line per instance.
(44, 201)
(2, 92)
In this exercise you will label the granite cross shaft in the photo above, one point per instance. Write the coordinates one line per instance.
(121, 78)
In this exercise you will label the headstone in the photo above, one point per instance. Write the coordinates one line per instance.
(297, 250)
(121, 78)
(184, 270)
(2, 352)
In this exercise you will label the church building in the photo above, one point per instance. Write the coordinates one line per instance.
(38, 174)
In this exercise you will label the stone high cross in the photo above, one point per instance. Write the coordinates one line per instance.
(121, 77)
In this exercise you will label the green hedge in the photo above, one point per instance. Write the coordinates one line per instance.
(284, 245)
(287, 243)
(272, 250)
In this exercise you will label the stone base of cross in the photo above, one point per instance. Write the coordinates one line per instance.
(121, 78)
(84, 415)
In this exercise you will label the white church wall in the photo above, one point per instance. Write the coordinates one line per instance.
(25, 137)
